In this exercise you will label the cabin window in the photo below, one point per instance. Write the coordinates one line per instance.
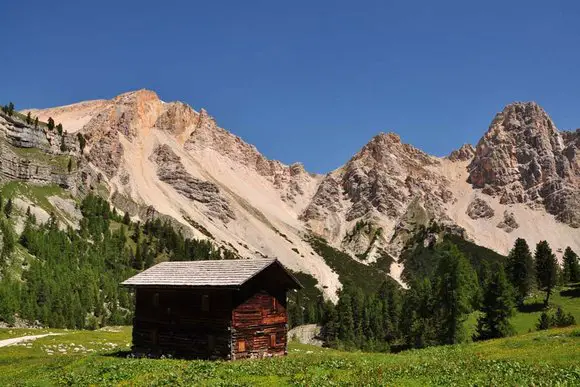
(156, 300)
(241, 346)
(272, 340)
(205, 303)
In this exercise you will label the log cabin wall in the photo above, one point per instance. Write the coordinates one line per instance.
(259, 320)
(191, 323)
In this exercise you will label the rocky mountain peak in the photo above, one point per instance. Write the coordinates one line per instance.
(523, 158)
(136, 96)
(466, 152)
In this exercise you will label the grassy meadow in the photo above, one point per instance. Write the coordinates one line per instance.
(80, 358)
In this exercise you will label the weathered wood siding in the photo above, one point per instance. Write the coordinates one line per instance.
(259, 325)
(183, 322)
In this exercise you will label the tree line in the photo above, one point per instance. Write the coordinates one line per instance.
(72, 277)
(433, 310)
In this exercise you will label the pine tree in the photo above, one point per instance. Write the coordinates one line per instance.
(571, 266)
(390, 295)
(417, 317)
(69, 166)
(544, 322)
(562, 319)
(546, 269)
(36, 122)
(10, 111)
(345, 319)
(28, 118)
(126, 218)
(82, 142)
(520, 269)
(8, 208)
(59, 129)
(50, 123)
(456, 283)
(498, 307)
(63, 147)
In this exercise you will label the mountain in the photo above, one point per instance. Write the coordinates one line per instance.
(153, 157)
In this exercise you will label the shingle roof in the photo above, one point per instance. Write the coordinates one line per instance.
(201, 273)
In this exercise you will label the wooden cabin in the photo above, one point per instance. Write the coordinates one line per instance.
(227, 309)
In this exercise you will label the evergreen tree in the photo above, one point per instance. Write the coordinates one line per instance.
(126, 218)
(50, 123)
(69, 165)
(544, 322)
(345, 319)
(417, 323)
(8, 240)
(36, 122)
(456, 285)
(63, 147)
(8, 208)
(82, 142)
(28, 118)
(498, 307)
(10, 110)
(571, 266)
(562, 319)
(390, 295)
(59, 129)
(520, 269)
(329, 322)
(546, 269)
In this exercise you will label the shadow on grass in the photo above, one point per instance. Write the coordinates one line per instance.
(531, 308)
(572, 292)
(123, 354)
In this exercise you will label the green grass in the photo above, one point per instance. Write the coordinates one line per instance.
(525, 319)
(38, 194)
(92, 358)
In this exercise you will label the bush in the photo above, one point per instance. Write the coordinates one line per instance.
(559, 319)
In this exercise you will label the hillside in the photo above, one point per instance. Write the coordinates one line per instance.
(100, 358)
(520, 180)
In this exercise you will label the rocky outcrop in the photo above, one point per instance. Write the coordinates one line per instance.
(478, 208)
(177, 118)
(171, 171)
(465, 153)
(381, 179)
(523, 158)
(509, 223)
(27, 155)
(289, 180)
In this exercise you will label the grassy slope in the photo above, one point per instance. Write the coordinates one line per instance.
(84, 358)
(524, 321)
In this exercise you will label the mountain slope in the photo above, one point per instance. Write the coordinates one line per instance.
(522, 180)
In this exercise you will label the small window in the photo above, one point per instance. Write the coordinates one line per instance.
(205, 303)
(241, 346)
(272, 340)
(156, 300)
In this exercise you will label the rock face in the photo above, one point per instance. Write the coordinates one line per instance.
(289, 180)
(171, 171)
(380, 179)
(523, 158)
(465, 153)
(478, 208)
(28, 154)
(509, 223)
(168, 159)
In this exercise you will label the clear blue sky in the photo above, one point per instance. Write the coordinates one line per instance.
(308, 81)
